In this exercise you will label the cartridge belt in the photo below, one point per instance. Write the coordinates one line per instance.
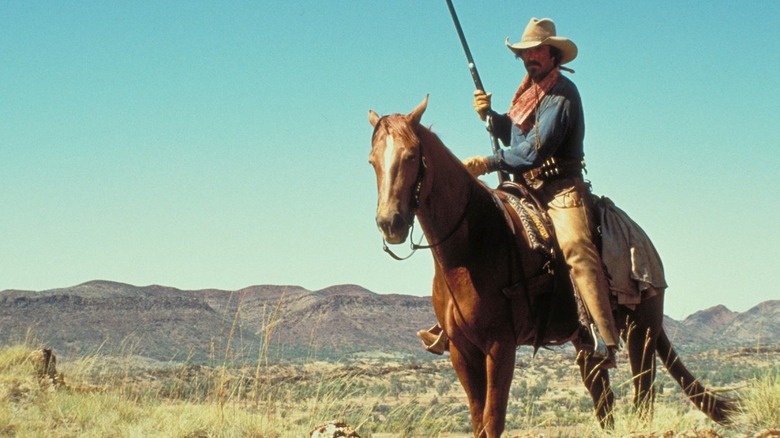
(555, 168)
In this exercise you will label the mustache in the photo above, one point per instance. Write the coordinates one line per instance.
(533, 63)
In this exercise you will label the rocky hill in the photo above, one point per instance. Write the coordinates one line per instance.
(718, 325)
(266, 322)
(275, 322)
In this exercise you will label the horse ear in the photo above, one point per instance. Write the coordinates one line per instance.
(417, 113)
(373, 118)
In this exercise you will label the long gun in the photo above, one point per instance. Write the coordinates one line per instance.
(502, 176)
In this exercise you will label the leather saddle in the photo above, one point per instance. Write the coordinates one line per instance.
(526, 216)
(537, 281)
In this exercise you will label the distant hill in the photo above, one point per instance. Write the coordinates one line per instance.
(720, 326)
(275, 322)
(272, 322)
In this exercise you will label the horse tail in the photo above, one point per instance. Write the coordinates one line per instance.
(719, 409)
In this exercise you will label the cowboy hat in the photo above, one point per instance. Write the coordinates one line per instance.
(539, 32)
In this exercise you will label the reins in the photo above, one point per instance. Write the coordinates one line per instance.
(415, 204)
(415, 246)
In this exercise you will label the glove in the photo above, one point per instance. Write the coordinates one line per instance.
(482, 103)
(476, 166)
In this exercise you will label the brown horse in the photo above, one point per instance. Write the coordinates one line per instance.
(476, 258)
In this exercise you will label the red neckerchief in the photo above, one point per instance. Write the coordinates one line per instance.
(527, 98)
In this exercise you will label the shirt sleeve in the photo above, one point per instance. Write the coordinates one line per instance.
(529, 150)
(502, 127)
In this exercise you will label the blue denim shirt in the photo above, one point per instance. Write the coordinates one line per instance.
(558, 132)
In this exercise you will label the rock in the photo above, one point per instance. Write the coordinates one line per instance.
(333, 429)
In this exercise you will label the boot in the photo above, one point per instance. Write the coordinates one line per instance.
(434, 339)
(594, 293)
(591, 285)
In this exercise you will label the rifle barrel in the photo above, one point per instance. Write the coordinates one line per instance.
(465, 44)
(502, 176)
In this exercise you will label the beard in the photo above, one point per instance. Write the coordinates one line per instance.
(536, 71)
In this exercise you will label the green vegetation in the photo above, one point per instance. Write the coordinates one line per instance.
(130, 396)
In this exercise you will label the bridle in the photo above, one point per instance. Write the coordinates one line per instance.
(414, 205)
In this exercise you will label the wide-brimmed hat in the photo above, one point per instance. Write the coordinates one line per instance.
(539, 32)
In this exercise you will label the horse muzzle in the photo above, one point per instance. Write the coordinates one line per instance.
(394, 227)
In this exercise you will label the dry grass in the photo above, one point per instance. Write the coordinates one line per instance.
(129, 397)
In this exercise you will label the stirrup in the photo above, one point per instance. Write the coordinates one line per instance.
(600, 349)
(434, 339)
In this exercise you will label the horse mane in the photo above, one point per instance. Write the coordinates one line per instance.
(455, 168)
(429, 137)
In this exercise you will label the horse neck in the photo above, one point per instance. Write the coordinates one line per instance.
(448, 192)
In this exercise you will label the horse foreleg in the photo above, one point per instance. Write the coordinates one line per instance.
(596, 380)
(471, 372)
(500, 367)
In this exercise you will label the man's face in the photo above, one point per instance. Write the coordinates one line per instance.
(538, 62)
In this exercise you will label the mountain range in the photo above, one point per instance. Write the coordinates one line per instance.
(277, 323)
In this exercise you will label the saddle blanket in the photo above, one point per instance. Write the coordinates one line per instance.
(633, 266)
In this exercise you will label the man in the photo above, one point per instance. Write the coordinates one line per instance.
(544, 130)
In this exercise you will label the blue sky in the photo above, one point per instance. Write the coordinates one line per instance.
(224, 144)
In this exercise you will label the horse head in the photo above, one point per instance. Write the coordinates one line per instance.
(397, 160)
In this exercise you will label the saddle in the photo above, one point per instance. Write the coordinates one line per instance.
(522, 208)
(535, 281)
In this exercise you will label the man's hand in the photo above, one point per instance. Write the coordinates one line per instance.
(482, 103)
(476, 165)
